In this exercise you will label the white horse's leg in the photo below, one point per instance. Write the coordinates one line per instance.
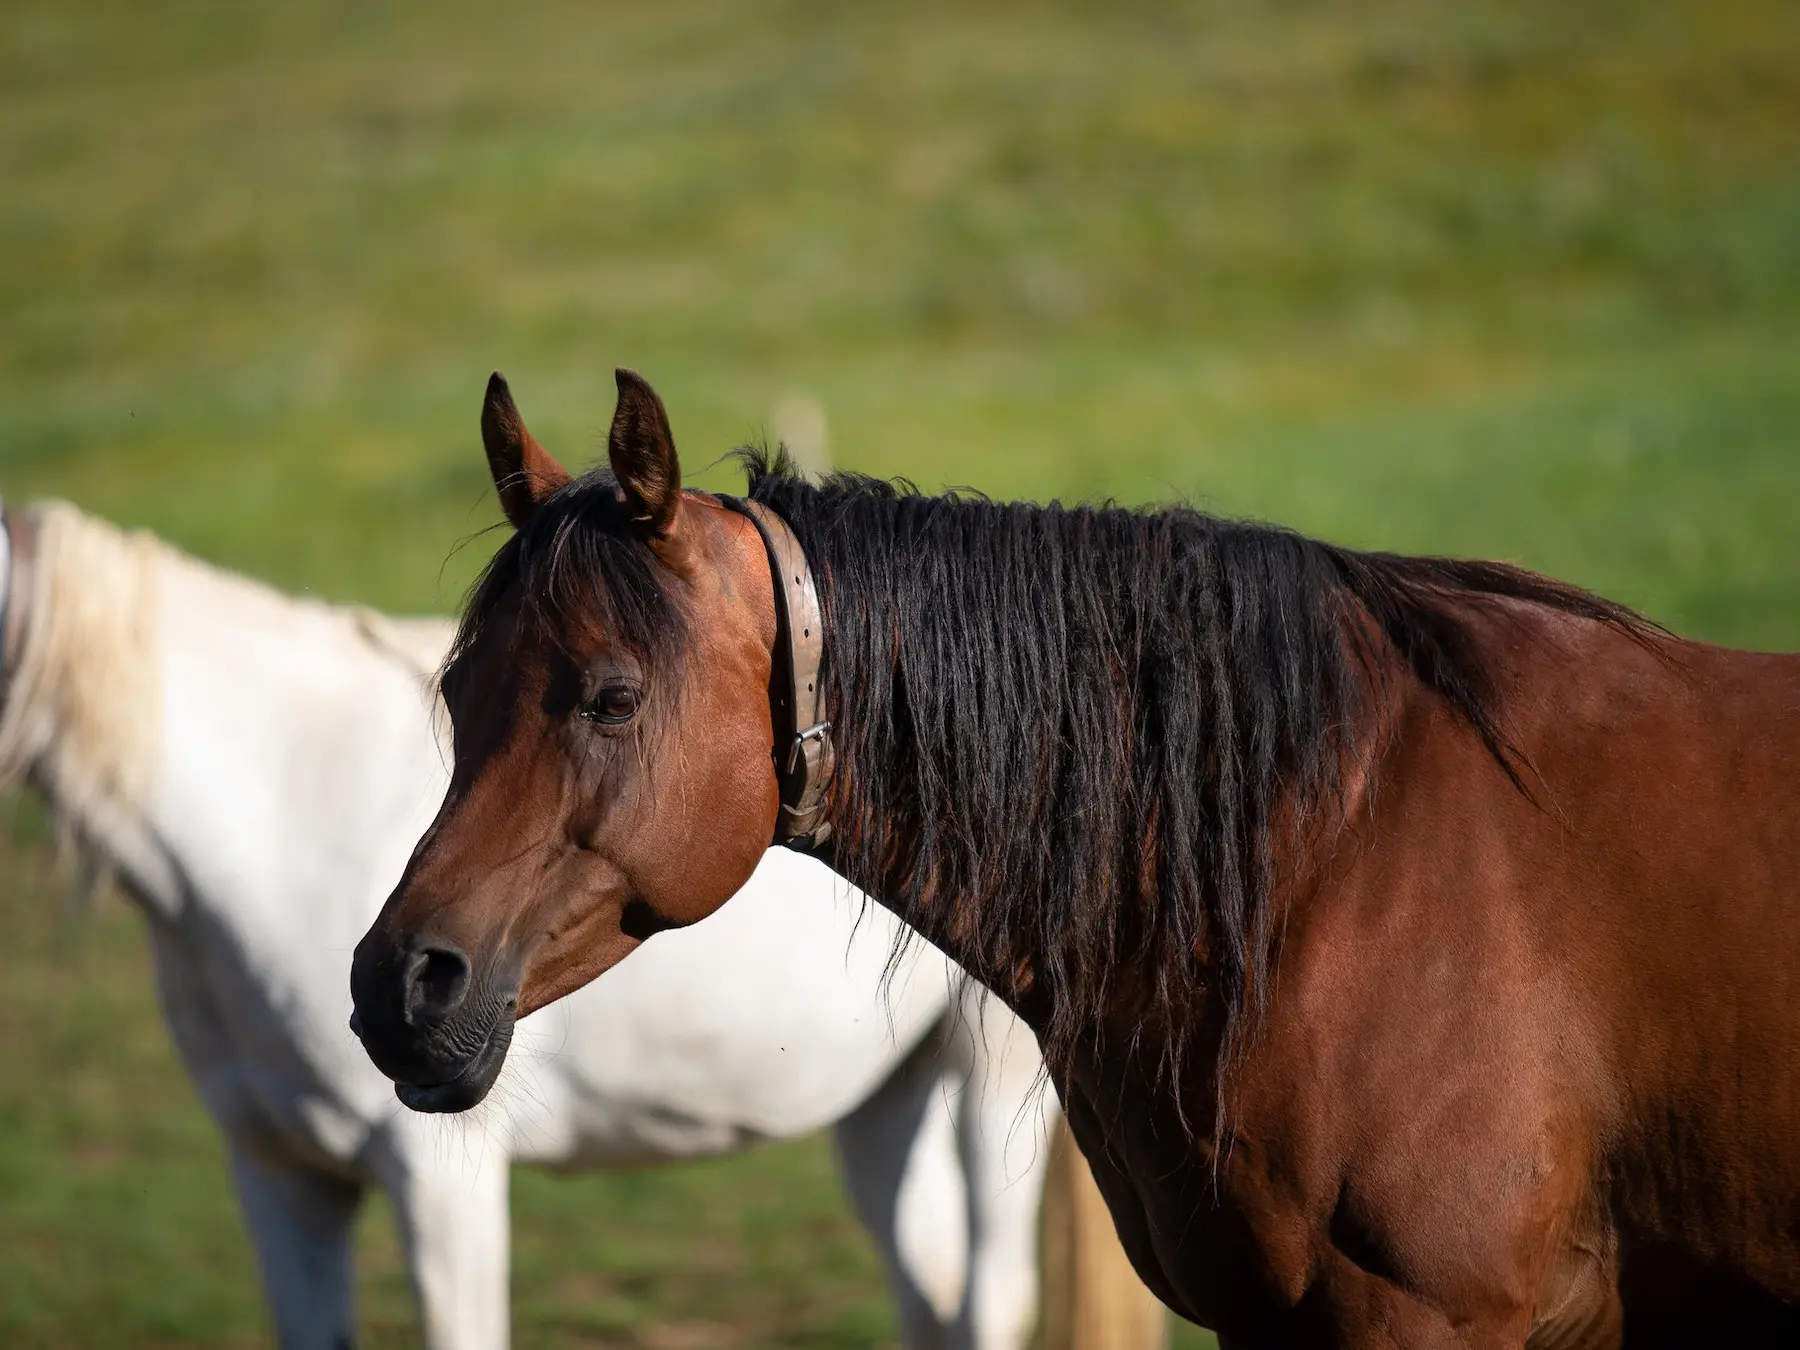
(899, 1156)
(450, 1208)
(300, 1223)
(1004, 1115)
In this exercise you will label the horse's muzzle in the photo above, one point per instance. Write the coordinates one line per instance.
(428, 1022)
(469, 1086)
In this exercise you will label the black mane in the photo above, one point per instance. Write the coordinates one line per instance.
(579, 566)
(1068, 736)
(1066, 733)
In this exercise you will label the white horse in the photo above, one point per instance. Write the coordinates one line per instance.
(256, 768)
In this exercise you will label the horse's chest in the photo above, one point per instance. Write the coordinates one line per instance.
(1238, 1250)
(1190, 1230)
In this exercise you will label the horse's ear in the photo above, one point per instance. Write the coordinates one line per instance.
(641, 451)
(525, 474)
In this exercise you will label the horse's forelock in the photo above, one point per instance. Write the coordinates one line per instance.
(582, 570)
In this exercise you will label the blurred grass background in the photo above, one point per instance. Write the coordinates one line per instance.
(1511, 277)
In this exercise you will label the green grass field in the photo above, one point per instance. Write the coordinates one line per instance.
(1519, 279)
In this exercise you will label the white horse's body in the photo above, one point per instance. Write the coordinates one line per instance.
(257, 769)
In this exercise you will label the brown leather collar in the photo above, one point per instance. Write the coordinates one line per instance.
(803, 754)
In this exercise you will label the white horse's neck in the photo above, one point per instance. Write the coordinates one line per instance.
(83, 684)
(168, 710)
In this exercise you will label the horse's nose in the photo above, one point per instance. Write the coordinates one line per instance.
(434, 983)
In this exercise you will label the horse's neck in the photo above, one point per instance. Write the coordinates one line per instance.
(297, 762)
(289, 758)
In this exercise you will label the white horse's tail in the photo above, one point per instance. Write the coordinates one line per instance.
(1093, 1299)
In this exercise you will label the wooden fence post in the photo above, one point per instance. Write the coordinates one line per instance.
(1093, 1299)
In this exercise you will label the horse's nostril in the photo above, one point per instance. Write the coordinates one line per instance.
(437, 979)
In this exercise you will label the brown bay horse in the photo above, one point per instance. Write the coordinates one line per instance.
(1416, 943)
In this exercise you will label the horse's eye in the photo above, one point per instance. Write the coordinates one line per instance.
(615, 703)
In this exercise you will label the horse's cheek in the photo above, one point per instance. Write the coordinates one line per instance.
(707, 849)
